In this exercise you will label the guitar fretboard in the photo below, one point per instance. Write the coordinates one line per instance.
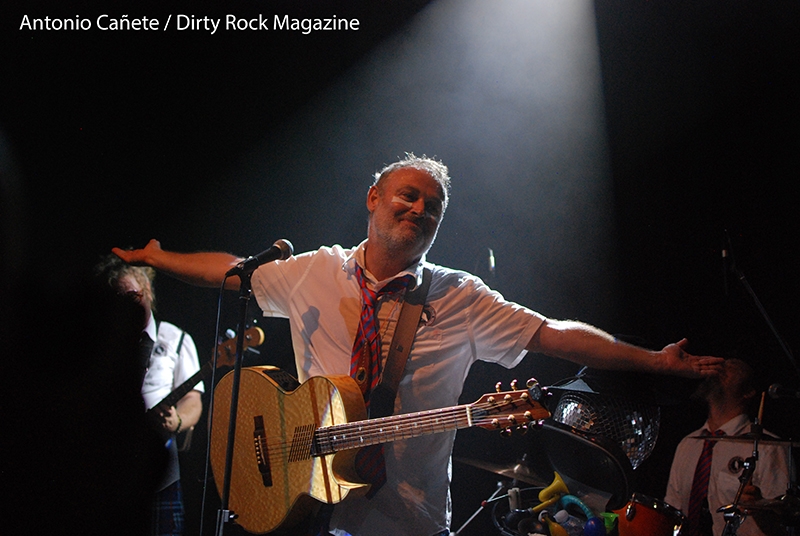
(340, 437)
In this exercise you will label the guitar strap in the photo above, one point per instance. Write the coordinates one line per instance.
(180, 341)
(381, 400)
(187, 442)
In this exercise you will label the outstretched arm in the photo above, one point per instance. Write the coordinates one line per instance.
(590, 346)
(203, 269)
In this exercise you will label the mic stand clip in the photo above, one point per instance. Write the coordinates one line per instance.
(734, 517)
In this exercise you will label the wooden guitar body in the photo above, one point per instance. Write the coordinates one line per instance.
(273, 474)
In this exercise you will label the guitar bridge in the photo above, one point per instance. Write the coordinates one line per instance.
(262, 451)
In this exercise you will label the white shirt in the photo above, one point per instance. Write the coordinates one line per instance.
(771, 475)
(167, 369)
(463, 321)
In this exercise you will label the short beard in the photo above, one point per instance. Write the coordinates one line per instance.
(402, 245)
(708, 390)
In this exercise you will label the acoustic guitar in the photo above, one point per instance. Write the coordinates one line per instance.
(294, 450)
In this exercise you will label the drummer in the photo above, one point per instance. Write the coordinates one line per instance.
(731, 399)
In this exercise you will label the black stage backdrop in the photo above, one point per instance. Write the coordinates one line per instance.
(209, 141)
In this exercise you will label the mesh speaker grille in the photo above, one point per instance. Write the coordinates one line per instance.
(633, 426)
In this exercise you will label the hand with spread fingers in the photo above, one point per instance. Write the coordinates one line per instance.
(678, 362)
(139, 257)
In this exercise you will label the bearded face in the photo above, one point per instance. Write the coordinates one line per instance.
(406, 209)
(733, 382)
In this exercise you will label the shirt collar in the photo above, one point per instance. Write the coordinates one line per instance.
(150, 329)
(736, 426)
(357, 257)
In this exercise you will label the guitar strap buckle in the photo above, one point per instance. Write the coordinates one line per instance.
(362, 375)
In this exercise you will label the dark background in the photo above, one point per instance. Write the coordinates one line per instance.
(210, 142)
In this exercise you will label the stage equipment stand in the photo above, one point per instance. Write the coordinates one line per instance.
(728, 253)
(224, 515)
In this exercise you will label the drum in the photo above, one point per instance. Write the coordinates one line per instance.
(645, 516)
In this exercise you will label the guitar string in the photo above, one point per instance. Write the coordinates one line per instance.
(345, 436)
(374, 427)
(367, 430)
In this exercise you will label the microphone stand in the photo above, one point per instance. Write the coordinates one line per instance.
(224, 515)
(788, 352)
(734, 517)
(491, 498)
(757, 302)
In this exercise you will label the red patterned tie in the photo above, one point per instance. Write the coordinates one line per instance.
(699, 492)
(365, 367)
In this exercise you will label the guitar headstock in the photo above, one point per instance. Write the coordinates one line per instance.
(226, 350)
(510, 410)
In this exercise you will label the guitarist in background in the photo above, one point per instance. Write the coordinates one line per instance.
(334, 294)
(169, 358)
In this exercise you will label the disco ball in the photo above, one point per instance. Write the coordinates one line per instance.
(634, 427)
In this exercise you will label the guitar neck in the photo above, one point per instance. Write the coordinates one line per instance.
(331, 439)
(172, 398)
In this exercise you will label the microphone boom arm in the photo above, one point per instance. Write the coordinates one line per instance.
(786, 350)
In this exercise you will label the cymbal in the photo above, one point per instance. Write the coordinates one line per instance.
(787, 508)
(763, 504)
(518, 471)
(749, 438)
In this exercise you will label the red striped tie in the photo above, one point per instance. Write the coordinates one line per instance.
(365, 367)
(699, 493)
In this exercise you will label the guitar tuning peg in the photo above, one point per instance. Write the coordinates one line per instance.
(230, 333)
(536, 391)
(514, 384)
(506, 432)
(523, 429)
(498, 387)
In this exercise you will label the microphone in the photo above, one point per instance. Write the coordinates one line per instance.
(280, 250)
(777, 390)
